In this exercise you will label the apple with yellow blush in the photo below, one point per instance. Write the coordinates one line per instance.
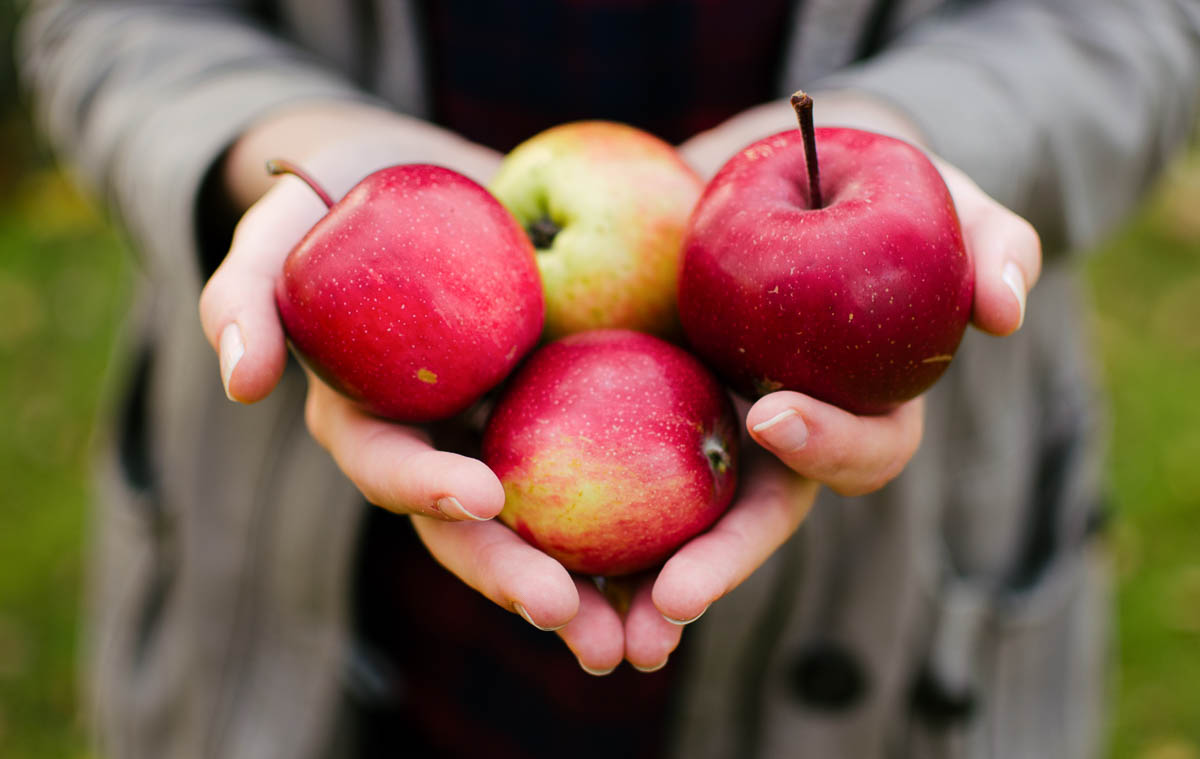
(605, 205)
(614, 448)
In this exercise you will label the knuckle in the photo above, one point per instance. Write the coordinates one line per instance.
(247, 222)
(861, 484)
(851, 480)
(1024, 235)
(381, 492)
(1033, 242)
(1022, 240)
(888, 472)
(373, 498)
(314, 416)
(844, 480)
(210, 300)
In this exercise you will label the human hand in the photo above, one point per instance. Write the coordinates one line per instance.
(817, 442)
(338, 144)
(1004, 248)
(452, 499)
(395, 466)
(1006, 254)
(850, 454)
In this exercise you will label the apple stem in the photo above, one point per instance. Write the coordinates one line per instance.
(803, 104)
(277, 166)
(542, 232)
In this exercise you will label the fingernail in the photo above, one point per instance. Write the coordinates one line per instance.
(1015, 280)
(785, 432)
(596, 672)
(682, 622)
(449, 506)
(518, 608)
(655, 668)
(231, 350)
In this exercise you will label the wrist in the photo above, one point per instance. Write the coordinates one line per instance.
(708, 151)
(341, 142)
(862, 111)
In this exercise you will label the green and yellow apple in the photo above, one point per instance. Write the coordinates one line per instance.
(606, 206)
(614, 448)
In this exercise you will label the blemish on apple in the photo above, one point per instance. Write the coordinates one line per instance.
(767, 385)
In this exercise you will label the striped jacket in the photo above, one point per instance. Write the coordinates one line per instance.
(959, 612)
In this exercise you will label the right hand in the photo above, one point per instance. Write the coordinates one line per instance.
(395, 466)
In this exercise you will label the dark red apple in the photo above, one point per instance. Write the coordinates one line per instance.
(850, 284)
(414, 295)
(614, 447)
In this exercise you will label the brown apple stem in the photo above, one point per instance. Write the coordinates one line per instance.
(277, 166)
(804, 105)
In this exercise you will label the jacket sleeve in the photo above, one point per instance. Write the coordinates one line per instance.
(140, 98)
(1063, 110)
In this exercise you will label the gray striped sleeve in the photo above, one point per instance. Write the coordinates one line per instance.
(1063, 110)
(139, 99)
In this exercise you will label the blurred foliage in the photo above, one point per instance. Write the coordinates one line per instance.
(64, 286)
(1145, 287)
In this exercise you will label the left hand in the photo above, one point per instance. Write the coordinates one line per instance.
(814, 443)
(852, 454)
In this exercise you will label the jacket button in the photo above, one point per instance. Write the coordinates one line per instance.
(827, 677)
(939, 705)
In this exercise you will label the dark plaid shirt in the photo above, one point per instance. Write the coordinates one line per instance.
(455, 675)
(501, 72)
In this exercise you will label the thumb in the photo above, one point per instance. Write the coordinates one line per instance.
(851, 454)
(1005, 250)
(237, 306)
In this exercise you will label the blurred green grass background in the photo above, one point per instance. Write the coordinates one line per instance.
(65, 282)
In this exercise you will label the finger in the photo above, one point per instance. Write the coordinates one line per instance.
(595, 634)
(396, 467)
(649, 637)
(237, 306)
(496, 562)
(1005, 250)
(772, 506)
(851, 454)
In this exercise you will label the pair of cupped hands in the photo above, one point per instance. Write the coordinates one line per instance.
(801, 442)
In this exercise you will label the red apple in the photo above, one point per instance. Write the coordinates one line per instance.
(850, 284)
(614, 447)
(606, 205)
(414, 295)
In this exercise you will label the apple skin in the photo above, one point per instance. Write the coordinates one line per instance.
(861, 303)
(414, 295)
(614, 448)
(620, 198)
